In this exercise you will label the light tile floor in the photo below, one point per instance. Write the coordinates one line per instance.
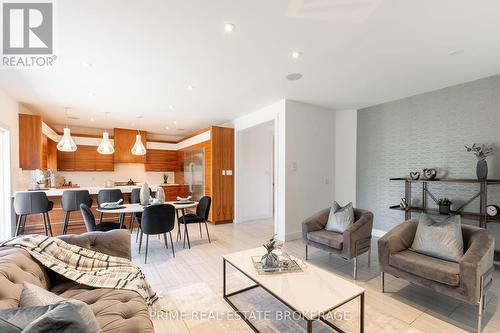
(191, 285)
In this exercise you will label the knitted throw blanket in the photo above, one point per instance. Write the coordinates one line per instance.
(85, 266)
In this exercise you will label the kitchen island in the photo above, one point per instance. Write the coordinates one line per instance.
(34, 223)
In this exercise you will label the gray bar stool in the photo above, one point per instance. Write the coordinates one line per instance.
(71, 200)
(28, 203)
(108, 195)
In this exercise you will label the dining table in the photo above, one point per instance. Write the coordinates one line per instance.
(124, 209)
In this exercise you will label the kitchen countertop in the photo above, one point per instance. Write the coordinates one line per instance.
(55, 192)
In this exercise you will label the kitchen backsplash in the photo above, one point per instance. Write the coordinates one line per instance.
(123, 172)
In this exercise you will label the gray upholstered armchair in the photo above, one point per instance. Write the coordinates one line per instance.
(466, 280)
(352, 243)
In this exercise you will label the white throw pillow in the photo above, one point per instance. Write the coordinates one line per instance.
(340, 218)
(440, 239)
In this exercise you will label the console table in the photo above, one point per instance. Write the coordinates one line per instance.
(482, 195)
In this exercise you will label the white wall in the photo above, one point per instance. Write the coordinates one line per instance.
(276, 114)
(254, 156)
(310, 163)
(346, 123)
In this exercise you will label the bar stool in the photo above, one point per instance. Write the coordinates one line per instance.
(28, 203)
(71, 200)
(108, 195)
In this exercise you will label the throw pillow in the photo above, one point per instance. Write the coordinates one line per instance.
(440, 239)
(70, 316)
(33, 295)
(340, 218)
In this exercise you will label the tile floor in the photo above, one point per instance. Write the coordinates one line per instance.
(191, 285)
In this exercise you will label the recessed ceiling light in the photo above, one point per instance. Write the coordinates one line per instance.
(456, 52)
(229, 27)
(167, 128)
(296, 54)
(294, 76)
(175, 122)
(171, 107)
(92, 119)
(91, 94)
(190, 87)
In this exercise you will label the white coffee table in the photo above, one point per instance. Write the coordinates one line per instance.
(312, 293)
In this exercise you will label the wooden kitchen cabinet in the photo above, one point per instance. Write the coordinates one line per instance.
(85, 158)
(30, 138)
(124, 141)
(51, 155)
(104, 162)
(161, 160)
(174, 191)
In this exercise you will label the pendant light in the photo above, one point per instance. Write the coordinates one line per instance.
(66, 143)
(138, 148)
(105, 147)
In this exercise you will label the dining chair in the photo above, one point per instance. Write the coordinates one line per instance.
(70, 202)
(157, 220)
(135, 198)
(201, 216)
(88, 218)
(108, 195)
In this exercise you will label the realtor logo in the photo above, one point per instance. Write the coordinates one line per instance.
(27, 34)
(27, 28)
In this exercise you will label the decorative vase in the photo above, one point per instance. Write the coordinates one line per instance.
(444, 209)
(270, 260)
(482, 170)
(144, 194)
(160, 195)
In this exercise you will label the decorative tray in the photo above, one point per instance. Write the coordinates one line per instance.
(111, 208)
(286, 265)
(183, 202)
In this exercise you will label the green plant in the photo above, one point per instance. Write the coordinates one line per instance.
(444, 202)
(480, 151)
(272, 244)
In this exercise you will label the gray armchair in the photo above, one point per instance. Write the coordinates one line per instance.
(466, 280)
(350, 244)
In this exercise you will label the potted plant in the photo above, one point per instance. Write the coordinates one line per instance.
(444, 205)
(270, 259)
(481, 152)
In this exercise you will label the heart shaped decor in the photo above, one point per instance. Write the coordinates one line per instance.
(415, 175)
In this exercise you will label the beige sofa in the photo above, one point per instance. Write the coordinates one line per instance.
(466, 280)
(121, 311)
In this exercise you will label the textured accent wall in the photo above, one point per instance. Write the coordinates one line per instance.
(427, 130)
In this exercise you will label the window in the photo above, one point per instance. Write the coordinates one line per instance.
(5, 186)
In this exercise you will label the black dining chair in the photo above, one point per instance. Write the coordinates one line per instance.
(108, 195)
(201, 216)
(135, 198)
(27, 203)
(88, 218)
(157, 220)
(71, 201)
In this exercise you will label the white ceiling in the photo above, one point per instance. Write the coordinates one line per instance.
(356, 53)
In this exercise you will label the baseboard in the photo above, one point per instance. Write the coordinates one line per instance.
(378, 233)
(293, 236)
